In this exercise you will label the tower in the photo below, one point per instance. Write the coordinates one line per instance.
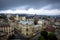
(17, 17)
(36, 18)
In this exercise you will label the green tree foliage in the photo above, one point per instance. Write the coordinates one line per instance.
(3, 17)
(41, 38)
(43, 35)
(52, 36)
(47, 36)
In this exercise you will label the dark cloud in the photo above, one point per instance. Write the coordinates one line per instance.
(8, 4)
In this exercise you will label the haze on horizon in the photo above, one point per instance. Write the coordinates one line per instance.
(40, 7)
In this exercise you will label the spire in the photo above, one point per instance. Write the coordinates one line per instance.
(17, 16)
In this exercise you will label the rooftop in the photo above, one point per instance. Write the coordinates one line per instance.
(26, 22)
(3, 24)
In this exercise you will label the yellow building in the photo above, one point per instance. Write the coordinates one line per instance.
(26, 27)
(19, 17)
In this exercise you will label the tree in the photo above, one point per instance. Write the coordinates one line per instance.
(52, 36)
(44, 33)
(3, 17)
(43, 36)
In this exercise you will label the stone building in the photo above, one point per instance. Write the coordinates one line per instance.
(19, 17)
(26, 24)
(5, 30)
(26, 27)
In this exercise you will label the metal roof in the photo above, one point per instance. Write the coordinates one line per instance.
(26, 22)
(37, 25)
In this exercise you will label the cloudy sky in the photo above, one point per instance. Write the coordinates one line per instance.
(42, 7)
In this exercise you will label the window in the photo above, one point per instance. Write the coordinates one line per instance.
(27, 34)
(27, 29)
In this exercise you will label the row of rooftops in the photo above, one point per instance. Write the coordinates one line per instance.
(26, 22)
(38, 15)
(31, 15)
(29, 23)
(4, 24)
